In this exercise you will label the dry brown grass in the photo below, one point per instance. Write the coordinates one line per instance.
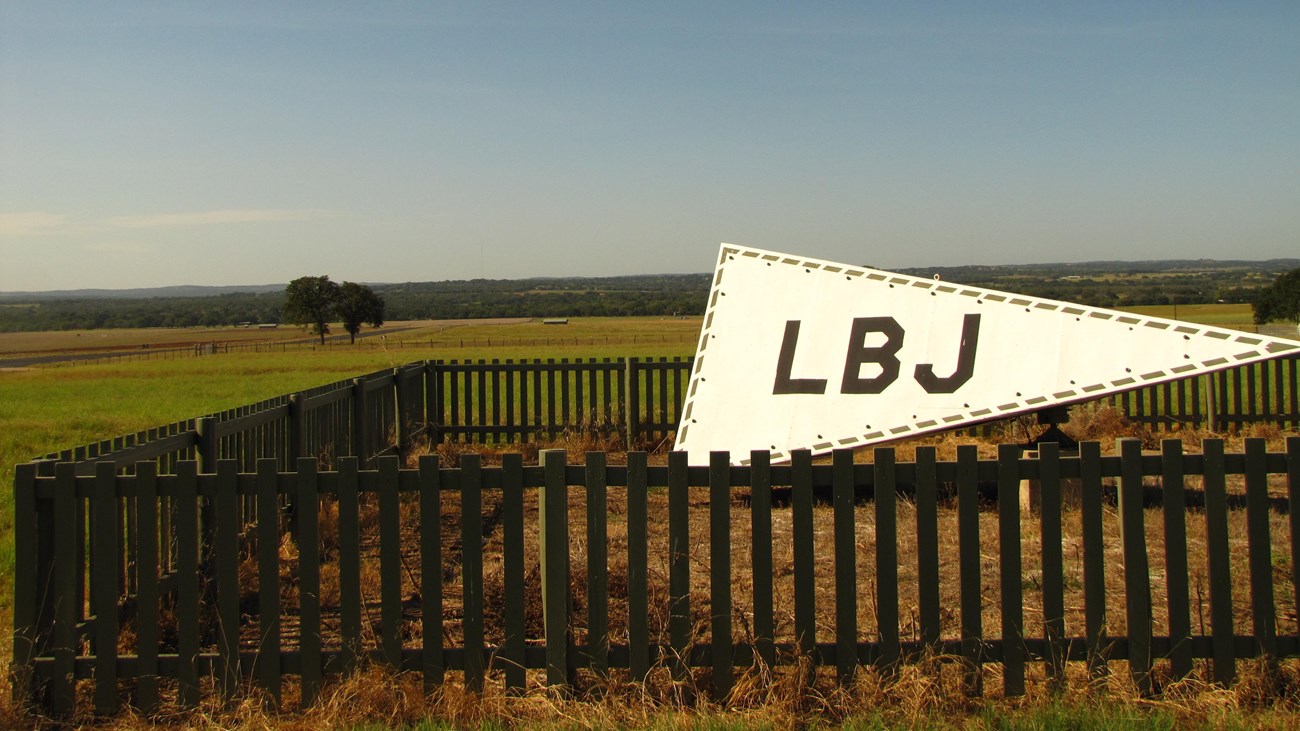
(926, 692)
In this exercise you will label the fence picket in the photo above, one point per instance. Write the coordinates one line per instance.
(1137, 574)
(268, 579)
(1010, 573)
(471, 557)
(1259, 551)
(512, 557)
(679, 564)
(390, 561)
(760, 505)
(553, 535)
(349, 559)
(309, 620)
(968, 556)
(638, 590)
(720, 572)
(846, 575)
(187, 582)
(927, 547)
(886, 490)
(430, 481)
(146, 612)
(801, 519)
(104, 577)
(1216, 539)
(1176, 568)
(597, 564)
(1051, 560)
(1293, 513)
(226, 560)
(1094, 558)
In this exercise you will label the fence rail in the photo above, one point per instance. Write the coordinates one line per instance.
(142, 581)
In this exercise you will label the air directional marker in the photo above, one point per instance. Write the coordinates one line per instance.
(798, 353)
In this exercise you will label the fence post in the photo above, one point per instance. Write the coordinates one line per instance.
(207, 446)
(27, 635)
(400, 429)
(359, 420)
(553, 536)
(295, 431)
(631, 402)
(432, 401)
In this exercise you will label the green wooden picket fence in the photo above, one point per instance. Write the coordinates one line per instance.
(133, 586)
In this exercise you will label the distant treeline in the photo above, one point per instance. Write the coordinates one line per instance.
(1125, 283)
(1101, 284)
(667, 294)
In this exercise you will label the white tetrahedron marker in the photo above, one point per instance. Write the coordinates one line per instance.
(797, 353)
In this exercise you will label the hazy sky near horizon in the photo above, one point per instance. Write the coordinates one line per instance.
(164, 143)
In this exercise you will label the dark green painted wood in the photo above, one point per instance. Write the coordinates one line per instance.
(1293, 502)
(887, 617)
(1137, 572)
(226, 558)
(147, 611)
(1176, 568)
(26, 598)
(720, 573)
(1216, 545)
(187, 582)
(309, 619)
(390, 561)
(512, 550)
(1259, 549)
(432, 664)
(597, 564)
(1053, 561)
(638, 595)
(679, 564)
(1094, 557)
(268, 579)
(553, 529)
(349, 563)
(359, 425)
(927, 546)
(471, 534)
(968, 556)
(1010, 570)
(760, 505)
(801, 520)
(62, 690)
(104, 577)
(846, 569)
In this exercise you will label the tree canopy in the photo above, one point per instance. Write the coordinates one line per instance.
(359, 304)
(311, 301)
(1281, 301)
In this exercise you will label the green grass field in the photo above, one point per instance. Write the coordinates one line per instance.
(47, 409)
(1220, 315)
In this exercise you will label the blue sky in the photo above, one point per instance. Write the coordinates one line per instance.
(150, 144)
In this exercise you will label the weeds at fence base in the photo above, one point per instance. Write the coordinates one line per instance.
(927, 694)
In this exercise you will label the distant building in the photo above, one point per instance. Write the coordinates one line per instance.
(555, 321)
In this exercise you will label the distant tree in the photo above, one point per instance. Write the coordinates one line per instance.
(359, 304)
(1281, 301)
(311, 301)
